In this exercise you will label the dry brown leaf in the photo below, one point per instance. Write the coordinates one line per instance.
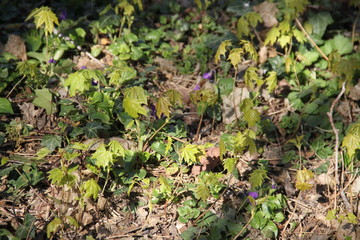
(267, 11)
(263, 54)
(208, 162)
(231, 104)
(354, 93)
(16, 46)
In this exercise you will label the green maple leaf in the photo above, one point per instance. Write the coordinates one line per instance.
(352, 143)
(77, 83)
(271, 81)
(202, 191)
(136, 93)
(284, 27)
(272, 35)
(298, 5)
(254, 18)
(163, 107)
(222, 50)
(252, 116)
(44, 16)
(257, 177)
(44, 99)
(190, 153)
(299, 35)
(302, 179)
(56, 176)
(165, 186)
(91, 188)
(119, 76)
(116, 148)
(134, 108)
(242, 28)
(53, 226)
(229, 164)
(174, 97)
(51, 142)
(104, 158)
(250, 49)
(283, 40)
(235, 56)
(250, 76)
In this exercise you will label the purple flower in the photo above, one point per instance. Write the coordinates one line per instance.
(51, 60)
(253, 195)
(83, 67)
(207, 75)
(197, 87)
(94, 82)
(62, 14)
(273, 186)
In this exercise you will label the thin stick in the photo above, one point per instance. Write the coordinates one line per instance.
(15, 86)
(310, 39)
(336, 132)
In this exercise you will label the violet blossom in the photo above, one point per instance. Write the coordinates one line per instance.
(253, 195)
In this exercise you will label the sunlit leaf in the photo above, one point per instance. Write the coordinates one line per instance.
(202, 191)
(134, 107)
(235, 56)
(163, 107)
(299, 35)
(302, 179)
(44, 99)
(91, 188)
(271, 81)
(190, 153)
(250, 49)
(174, 97)
(78, 83)
(242, 28)
(103, 157)
(272, 36)
(53, 226)
(257, 177)
(253, 18)
(116, 148)
(229, 164)
(251, 76)
(44, 16)
(222, 50)
(252, 116)
(284, 40)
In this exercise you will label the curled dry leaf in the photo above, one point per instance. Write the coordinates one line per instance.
(16, 46)
(267, 11)
(208, 162)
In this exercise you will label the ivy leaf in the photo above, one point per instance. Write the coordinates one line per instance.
(91, 188)
(302, 179)
(5, 106)
(163, 107)
(342, 44)
(271, 81)
(134, 108)
(190, 153)
(51, 142)
(222, 50)
(235, 56)
(92, 129)
(174, 97)
(44, 16)
(44, 99)
(257, 177)
(319, 22)
(272, 35)
(103, 157)
(53, 226)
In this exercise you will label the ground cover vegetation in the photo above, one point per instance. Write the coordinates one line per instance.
(179, 119)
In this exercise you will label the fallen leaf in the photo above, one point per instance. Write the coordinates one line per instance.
(231, 104)
(267, 11)
(16, 46)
